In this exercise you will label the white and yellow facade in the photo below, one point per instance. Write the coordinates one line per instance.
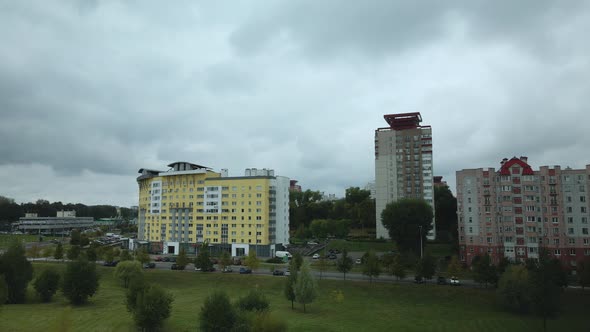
(190, 204)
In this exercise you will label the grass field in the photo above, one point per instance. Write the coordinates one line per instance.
(7, 239)
(366, 307)
(361, 245)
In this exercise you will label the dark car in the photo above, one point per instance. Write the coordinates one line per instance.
(112, 263)
(278, 273)
(176, 267)
(441, 281)
(150, 265)
(418, 280)
(158, 259)
(173, 259)
(332, 256)
(244, 270)
(166, 259)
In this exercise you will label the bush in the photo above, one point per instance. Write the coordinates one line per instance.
(513, 292)
(151, 306)
(74, 252)
(217, 313)
(80, 281)
(253, 301)
(47, 285)
(265, 322)
(3, 290)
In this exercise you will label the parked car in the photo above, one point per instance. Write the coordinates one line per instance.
(288, 272)
(278, 273)
(176, 267)
(245, 270)
(455, 281)
(158, 259)
(418, 280)
(227, 269)
(150, 265)
(312, 243)
(112, 263)
(166, 259)
(332, 256)
(173, 259)
(315, 256)
(358, 261)
(441, 280)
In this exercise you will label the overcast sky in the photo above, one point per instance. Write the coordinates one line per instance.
(91, 91)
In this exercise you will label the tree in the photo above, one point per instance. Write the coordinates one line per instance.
(182, 261)
(47, 284)
(344, 263)
(267, 322)
(91, 254)
(445, 211)
(73, 252)
(319, 228)
(290, 285)
(584, 273)
(252, 261)
(454, 268)
(217, 313)
(151, 307)
(202, 261)
(84, 240)
(484, 272)
(426, 267)
(127, 271)
(225, 260)
(305, 288)
(513, 289)
(322, 264)
(80, 281)
(544, 280)
(371, 266)
(406, 219)
(59, 251)
(75, 237)
(397, 267)
(3, 289)
(297, 261)
(142, 256)
(108, 254)
(125, 255)
(17, 271)
(338, 228)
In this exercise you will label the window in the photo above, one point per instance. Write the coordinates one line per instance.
(573, 252)
(583, 209)
(585, 231)
(557, 252)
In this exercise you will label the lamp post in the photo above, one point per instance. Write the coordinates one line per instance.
(421, 253)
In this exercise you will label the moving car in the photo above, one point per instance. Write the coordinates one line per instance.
(245, 270)
(227, 269)
(278, 273)
(358, 261)
(455, 281)
(315, 256)
(150, 265)
(288, 272)
(332, 256)
(176, 267)
(441, 280)
(112, 263)
(418, 280)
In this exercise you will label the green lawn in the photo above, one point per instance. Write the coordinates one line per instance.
(365, 307)
(7, 239)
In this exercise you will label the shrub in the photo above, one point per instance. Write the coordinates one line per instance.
(275, 260)
(47, 284)
(253, 301)
(266, 322)
(513, 292)
(217, 313)
(128, 270)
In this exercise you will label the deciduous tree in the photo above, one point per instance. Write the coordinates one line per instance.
(152, 306)
(406, 219)
(47, 284)
(371, 265)
(306, 288)
(80, 281)
(289, 289)
(127, 271)
(182, 261)
(252, 261)
(217, 313)
(513, 289)
(17, 271)
(344, 263)
(59, 251)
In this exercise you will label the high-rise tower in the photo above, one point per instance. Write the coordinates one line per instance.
(403, 164)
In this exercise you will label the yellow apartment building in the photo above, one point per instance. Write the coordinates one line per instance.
(190, 204)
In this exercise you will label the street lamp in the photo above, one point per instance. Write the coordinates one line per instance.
(421, 247)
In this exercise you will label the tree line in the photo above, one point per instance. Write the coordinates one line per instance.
(10, 211)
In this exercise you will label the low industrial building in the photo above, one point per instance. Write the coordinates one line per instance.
(63, 223)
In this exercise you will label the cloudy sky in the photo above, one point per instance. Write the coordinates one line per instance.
(91, 91)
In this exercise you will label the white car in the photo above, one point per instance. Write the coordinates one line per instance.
(455, 281)
(315, 256)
